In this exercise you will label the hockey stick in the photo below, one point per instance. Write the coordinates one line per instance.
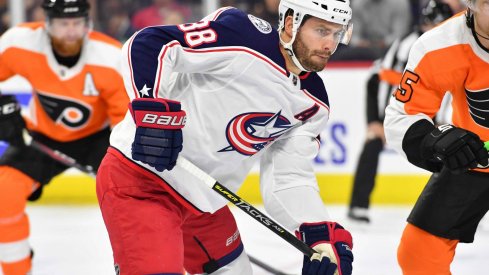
(486, 145)
(266, 267)
(245, 206)
(57, 155)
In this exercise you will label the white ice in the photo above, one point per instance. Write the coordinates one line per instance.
(70, 240)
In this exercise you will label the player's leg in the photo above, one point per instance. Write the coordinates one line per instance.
(447, 212)
(143, 221)
(15, 187)
(364, 179)
(422, 253)
(213, 245)
(22, 169)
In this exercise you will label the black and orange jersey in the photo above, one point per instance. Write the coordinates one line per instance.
(67, 103)
(386, 75)
(447, 59)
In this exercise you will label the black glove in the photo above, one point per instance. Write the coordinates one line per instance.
(457, 148)
(158, 139)
(11, 122)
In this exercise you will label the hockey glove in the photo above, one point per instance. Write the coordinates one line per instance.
(333, 244)
(158, 139)
(457, 148)
(11, 122)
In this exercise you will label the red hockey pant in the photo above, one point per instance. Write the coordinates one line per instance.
(151, 232)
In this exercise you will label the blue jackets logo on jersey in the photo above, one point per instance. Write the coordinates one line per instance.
(248, 133)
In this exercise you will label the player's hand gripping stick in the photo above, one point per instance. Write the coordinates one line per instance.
(334, 237)
(333, 243)
(459, 149)
(245, 206)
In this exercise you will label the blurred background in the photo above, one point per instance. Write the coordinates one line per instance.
(67, 218)
(377, 24)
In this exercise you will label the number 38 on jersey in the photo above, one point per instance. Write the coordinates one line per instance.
(198, 33)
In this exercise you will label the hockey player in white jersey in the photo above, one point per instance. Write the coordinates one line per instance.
(223, 93)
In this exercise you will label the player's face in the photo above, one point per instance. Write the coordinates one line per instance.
(316, 41)
(67, 34)
(481, 12)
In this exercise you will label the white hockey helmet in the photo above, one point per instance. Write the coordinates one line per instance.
(335, 11)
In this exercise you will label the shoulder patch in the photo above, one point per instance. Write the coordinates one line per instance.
(262, 25)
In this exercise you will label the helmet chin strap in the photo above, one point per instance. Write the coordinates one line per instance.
(290, 51)
(485, 37)
(470, 17)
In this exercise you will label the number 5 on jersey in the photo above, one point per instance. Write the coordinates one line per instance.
(198, 33)
(405, 90)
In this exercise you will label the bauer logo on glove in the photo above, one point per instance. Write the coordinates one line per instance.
(158, 139)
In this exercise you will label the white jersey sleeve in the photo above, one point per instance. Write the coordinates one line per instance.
(288, 181)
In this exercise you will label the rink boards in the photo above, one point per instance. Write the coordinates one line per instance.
(398, 182)
(74, 188)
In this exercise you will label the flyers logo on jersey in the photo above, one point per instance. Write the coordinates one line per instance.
(248, 133)
(478, 102)
(65, 111)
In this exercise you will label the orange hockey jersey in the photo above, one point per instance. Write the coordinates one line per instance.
(446, 59)
(67, 103)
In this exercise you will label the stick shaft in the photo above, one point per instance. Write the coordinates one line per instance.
(61, 157)
(245, 206)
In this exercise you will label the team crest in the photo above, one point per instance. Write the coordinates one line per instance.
(262, 25)
(65, 111)
(250, 132)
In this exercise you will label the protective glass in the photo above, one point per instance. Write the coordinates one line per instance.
(346, 34)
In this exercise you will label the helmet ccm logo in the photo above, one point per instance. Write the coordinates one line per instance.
(71, 10)
(340, 11)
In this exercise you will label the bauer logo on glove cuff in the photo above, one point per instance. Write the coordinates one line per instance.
(163, 120)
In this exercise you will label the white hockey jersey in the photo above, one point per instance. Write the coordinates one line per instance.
(241, 103)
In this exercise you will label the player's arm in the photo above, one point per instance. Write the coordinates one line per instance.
(409, 125)
(152, 56)
(9, 59)
(11, 121)
(291, 196)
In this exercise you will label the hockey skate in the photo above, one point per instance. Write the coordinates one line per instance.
(358, 214)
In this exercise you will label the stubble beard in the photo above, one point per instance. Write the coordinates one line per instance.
(304, 55)
(67, 49)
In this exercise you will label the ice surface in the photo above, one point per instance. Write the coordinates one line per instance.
(70, 240)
